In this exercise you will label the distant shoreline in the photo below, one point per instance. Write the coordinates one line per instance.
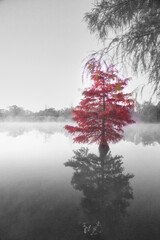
(18, 114)
(46, 119)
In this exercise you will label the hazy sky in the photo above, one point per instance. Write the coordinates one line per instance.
(42, 46)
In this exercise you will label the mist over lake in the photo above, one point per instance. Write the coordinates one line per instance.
(37, 199)
(74, 75)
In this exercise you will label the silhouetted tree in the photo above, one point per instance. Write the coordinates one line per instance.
(14, 111)
(106, 191)
(147, 112)
(136, 27)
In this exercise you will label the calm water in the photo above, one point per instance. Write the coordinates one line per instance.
(41, 198)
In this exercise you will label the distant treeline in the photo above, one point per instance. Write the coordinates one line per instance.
(146, 112)
(15, 113)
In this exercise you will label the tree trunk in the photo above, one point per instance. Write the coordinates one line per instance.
(103, 150)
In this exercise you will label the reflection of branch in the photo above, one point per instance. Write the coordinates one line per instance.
(105, 199)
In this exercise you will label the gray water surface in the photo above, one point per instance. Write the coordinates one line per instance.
(38, 201)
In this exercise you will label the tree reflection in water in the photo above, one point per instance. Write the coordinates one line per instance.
(106, 191)
(145, 133)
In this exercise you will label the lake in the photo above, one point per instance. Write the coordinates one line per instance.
(43, 196)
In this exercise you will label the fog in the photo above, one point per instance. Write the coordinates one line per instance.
(37, 200)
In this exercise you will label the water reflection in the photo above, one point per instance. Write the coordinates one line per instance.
(147, 134)
(15, 129)
(34, 213)
(106, 192)
(38, 202)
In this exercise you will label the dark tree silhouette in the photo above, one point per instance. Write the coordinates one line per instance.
(16, 111)
(136, 24)
(106, 191)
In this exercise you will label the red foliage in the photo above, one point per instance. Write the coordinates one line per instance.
(104, 110)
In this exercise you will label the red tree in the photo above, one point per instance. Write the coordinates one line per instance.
(104, 110)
